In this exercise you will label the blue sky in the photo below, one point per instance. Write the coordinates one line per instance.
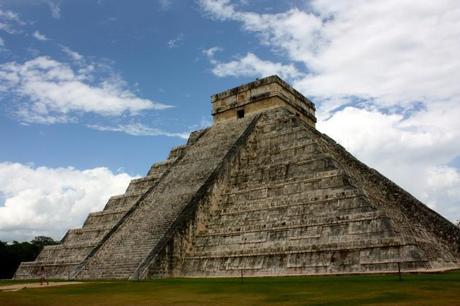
(156, 49)
(93, 92)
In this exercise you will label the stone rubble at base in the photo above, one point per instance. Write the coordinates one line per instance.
(260, 192)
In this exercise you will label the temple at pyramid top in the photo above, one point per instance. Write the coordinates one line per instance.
(261, 95)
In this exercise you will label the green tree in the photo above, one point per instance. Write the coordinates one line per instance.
(41, 241)
(12, 254)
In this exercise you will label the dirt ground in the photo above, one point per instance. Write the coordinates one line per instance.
(17, 287)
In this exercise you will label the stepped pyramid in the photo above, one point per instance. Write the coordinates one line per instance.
(260, 192)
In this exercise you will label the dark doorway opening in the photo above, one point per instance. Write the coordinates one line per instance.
(240, 113)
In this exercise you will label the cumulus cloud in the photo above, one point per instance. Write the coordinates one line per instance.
(293, 31)
(10, 22)
(49, 91)
(73, 55)
(211, 52)
(406, 150)
(252, 66)
(138, 129)
(48, 201)
(39, 36)
(363, 48)
(384, 75)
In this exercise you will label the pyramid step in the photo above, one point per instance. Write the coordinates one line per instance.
(159, 168)
(66, 254)
(245, 202)
(141, 184)
(176, 152)
(339, 204)
(32, 270)
(289, 223)
(283, 219)
(316, 184)
(295, 248)
(48, 251)
(122, 202)
(104, 218)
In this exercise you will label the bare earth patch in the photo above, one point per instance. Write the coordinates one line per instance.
(17, 287)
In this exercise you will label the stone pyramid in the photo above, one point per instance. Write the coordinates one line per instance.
(261, 193)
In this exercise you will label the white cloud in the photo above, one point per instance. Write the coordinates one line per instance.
(48, 201)
(48, 91)
(219, 9)
(252, 66)
(39, 36)
(211, 52)
(72, 54)
(294, 31)
(409, 152)
(176, 42)
(364, 48)
(444, 183)
(138, 129)
(55, 8)
(395, 63)
(10, 22)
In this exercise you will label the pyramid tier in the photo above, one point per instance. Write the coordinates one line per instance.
(289, 203)
(122, 202)
(61, 261)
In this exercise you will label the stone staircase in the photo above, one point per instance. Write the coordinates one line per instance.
(287, 206)
(61, 261)
(131, 246)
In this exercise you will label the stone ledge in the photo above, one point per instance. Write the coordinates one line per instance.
(325, 248)
(303, 225)
(305, 202)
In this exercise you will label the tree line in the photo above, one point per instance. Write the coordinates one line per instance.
(12, 254)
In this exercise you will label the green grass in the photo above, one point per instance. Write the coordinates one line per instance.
(420, 289)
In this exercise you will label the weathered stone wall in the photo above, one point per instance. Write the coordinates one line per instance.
(142, 234)
(437, 237)
(288, 203)
(261, 95)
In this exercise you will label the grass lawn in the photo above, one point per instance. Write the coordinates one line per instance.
(421, 289)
